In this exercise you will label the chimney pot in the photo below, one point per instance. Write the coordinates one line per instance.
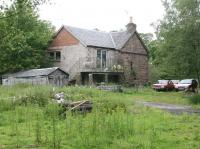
(131, 19)
(131, 27)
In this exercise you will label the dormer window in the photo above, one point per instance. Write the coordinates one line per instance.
(55, 56)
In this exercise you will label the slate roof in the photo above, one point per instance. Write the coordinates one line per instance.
(33, 73)
(120, 38)
(113, 40)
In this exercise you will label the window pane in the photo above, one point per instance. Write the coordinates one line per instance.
(98, 58)
(58, 56)
(103, 59)
(51, 55)
(99, 54)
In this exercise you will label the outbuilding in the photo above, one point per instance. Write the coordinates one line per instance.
(53, 76)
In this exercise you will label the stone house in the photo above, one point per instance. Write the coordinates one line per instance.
(92, 56)
(53, 76)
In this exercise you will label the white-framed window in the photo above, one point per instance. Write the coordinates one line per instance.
(101, 58)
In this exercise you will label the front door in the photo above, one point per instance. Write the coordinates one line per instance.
(101, 59)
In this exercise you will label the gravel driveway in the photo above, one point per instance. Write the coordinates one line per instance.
(174, 109)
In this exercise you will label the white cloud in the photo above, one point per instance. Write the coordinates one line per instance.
(103, 14)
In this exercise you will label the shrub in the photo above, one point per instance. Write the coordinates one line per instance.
(38, 97)
(53, 110)
(111, 106)
(195, 99)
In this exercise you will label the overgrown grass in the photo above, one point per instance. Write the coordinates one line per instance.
(195, 99)
(28, 119)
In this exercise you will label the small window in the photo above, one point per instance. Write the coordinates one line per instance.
(55, 56)
(51, 55)
(99, 54)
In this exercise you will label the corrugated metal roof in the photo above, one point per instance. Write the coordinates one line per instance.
(33, 72)
(114, 40)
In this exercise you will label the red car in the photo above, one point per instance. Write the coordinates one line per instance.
(164, 85)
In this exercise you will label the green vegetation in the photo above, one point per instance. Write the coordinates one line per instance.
(175, 52)
(179, 52)
(195, 99)
(23, 36)
(28, 119)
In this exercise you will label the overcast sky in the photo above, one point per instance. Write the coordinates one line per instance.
(106, 15)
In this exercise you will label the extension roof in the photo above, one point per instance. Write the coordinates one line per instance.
(34, 73)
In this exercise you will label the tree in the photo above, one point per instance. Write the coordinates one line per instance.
(152, 45)
(178, 55)
(23, 37)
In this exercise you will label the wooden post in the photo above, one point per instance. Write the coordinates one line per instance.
(79, 79)
(106, 78)
(91, 79)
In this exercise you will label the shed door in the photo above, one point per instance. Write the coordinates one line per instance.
(51, 80)
(58, 80)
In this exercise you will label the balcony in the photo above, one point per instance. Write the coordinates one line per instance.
(94, 64)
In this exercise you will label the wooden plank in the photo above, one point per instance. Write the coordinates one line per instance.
(78, 105)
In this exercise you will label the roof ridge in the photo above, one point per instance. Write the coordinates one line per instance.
(41, 68)
(116, 32)
(49, 70)
(86, 29)
(114, 44)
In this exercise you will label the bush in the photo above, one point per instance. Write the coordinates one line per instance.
(195, 99)
(108, 106)
(38, 97)
(6, 105)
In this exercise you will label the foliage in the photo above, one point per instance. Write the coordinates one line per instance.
(32, 126)
(132, 72)
(195, 99)
(178, 54)
(23, 37)
(154, 74)
(152, 45)
(37, 97)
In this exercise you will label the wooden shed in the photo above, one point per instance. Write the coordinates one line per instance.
(53, 76)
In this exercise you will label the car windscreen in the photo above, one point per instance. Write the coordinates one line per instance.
(175, 81)
(162, 81)
(185, 81)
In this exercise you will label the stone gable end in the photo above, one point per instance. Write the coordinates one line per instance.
(135, 57)
(134, 45)
(64, 38)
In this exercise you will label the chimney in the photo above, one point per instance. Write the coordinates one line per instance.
(131, 27)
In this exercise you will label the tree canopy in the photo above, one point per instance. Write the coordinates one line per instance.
(23, 36)
(178, 43)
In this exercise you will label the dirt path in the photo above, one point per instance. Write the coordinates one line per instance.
(174, 109)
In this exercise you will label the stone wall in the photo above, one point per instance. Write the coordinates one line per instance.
(135, 59)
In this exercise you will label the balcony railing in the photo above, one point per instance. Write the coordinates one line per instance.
(90, 64)
(94, 64)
